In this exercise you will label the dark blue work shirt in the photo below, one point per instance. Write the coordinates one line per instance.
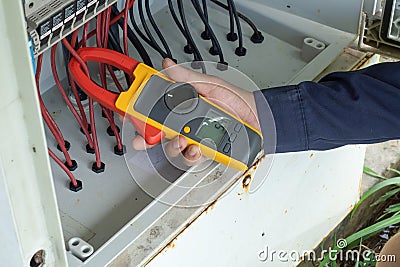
(355, 107)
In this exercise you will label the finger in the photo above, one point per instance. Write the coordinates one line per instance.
(202, 83)
(138, 143)
(192, 155)
(179, 73)
(176, 146)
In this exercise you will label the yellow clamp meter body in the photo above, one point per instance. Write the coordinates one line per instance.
(177, 109)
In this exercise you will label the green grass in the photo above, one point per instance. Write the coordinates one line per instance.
(390, 216)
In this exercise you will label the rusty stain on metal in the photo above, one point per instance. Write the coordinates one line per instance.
(311, 155)
(212, 205)
(170, 244)
(363, 62)
(249, 174)
(246, 182)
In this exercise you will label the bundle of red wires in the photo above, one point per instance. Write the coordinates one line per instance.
(89, 129)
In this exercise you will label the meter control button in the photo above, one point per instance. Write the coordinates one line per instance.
(238, 127)
(227, 148)
(181, 98)
(232, 137)
(186, 129)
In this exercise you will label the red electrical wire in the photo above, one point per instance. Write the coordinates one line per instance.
(61, 164)
(99, 39)
(94, 134)
(106, 26)
(53, 128)
(122, 13)
(91, 108)
(65, 97)
(125, 28)
(75, 55)
(109, 116)
(113, 20)
(102, 41)
(74, 38)
(73, 85)
(85, 34)
(48, 119)
(79, 103)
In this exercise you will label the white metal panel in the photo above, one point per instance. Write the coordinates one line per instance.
(305, 196)
(7, 229)
(23, 152)
(322, 11)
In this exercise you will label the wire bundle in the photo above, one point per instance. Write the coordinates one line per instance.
(104, 38)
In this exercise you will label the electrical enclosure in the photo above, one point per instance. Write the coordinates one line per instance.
(122, 220)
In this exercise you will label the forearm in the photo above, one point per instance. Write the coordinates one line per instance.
(344, 108)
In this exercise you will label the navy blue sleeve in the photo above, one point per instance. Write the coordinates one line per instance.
(357, 107)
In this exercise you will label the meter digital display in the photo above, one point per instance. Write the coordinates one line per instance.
(176, 108)
(213, 127)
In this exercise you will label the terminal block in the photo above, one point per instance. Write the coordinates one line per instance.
(57, 19)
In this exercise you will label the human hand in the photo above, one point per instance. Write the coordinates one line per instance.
(234, 99)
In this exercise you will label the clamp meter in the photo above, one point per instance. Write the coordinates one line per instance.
(160, 107)
(177, 109)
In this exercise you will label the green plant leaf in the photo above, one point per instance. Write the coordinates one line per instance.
(372, 173)
(386, 196)
(375, 188)
(376, 227)
(394, 170)
(393, 208)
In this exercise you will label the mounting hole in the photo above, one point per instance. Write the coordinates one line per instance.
(75, 243)
(309, 40)
(85, 249)
(319, 45)
(30, 5)
(288, 6)
(38, 259)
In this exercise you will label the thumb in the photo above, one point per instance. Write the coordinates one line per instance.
(179, 73)
(201, 82)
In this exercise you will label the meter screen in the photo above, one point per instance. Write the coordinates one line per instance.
(213, 127)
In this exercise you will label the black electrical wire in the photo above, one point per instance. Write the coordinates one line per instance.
(231, 36)
(188, 47)
(257, 36)
(144, 37)
(188, 35)
(147, 30)
(156, 29)
(198, 60)
(113, 43)
(241, 50)
(134, 40)
(175, 17)
(205, 34)
(216, 48)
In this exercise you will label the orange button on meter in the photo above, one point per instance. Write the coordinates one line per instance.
(186, 129)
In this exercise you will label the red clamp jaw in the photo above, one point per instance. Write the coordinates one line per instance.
(104, 97)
